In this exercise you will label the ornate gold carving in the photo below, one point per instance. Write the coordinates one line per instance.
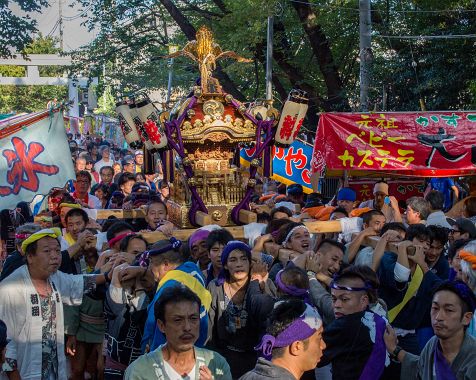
(164, 116)
(228, 98)
(186, 126)
(217, 215)
(197, 92)
(242, 108)
(186, 161)
(206, 52)
(213, 108)
(251, 182)
(259, 110)
(190, 113)
(255, 162)
(273, 113)
(248, 125)
(217, 136)
(192, 181)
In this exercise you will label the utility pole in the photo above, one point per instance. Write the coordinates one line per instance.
(60, 9)
(269, 61)
(170, 64)
(365, 29)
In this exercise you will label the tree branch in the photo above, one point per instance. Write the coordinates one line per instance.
(320, 46)
(189, 31)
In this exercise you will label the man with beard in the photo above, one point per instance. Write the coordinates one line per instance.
(451, 354)
(177, 312)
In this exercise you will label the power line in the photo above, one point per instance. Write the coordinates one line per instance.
(376, 10)
(80, 14)
(53, 30)
(430, 37)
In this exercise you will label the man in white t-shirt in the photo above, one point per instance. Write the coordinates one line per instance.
(106, 159)
(178, 316)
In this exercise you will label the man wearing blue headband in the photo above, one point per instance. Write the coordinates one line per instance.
(451, 353)
(355, 345)
(293, 343)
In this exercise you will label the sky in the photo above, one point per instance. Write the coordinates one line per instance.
(75, 35)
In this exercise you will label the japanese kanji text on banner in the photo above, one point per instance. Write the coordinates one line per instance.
(34, 157)
(290, 165)
(426, 143)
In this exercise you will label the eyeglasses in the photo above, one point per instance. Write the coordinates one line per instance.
(455, 232)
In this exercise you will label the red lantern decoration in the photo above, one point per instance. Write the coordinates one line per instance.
(149, 117)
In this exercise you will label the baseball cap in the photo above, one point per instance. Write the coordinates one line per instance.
(346, 194)
(464, 225)
(138, 153)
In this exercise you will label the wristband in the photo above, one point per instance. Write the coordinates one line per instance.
(394, 354)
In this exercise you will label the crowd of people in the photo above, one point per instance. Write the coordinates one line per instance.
(388, 295)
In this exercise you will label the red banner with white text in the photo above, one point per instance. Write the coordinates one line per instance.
(431, 144)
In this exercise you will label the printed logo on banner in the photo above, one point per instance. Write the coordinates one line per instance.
(23, 167)
(424, 142)
(32, 160)
(290, 165)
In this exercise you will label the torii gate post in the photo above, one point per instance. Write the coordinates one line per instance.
(33, 77)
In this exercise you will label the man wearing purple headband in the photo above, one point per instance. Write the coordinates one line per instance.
(355, 345)
(293, 343)
(451, 353)
(197, 244)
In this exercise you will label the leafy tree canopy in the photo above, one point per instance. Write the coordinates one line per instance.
(31, 98)
(316, 48)
(15, 31)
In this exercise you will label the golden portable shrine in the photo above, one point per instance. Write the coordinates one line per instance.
(198, 139)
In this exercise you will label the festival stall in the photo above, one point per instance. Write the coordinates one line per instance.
(404, 146)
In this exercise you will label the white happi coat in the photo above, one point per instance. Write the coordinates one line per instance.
(20, 309)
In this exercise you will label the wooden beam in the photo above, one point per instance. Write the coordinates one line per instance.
(239, 233)
(323, 227)
(203, 219)
(119, 213)
(155, 236)
(247, 217)
(372, 241)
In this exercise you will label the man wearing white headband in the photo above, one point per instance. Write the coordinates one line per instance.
(293, 343)
(388, 205)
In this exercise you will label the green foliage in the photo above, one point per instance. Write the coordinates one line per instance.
(133, 35)
(29, 98)
(32, 98)
(106, 103)
(16, 31)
